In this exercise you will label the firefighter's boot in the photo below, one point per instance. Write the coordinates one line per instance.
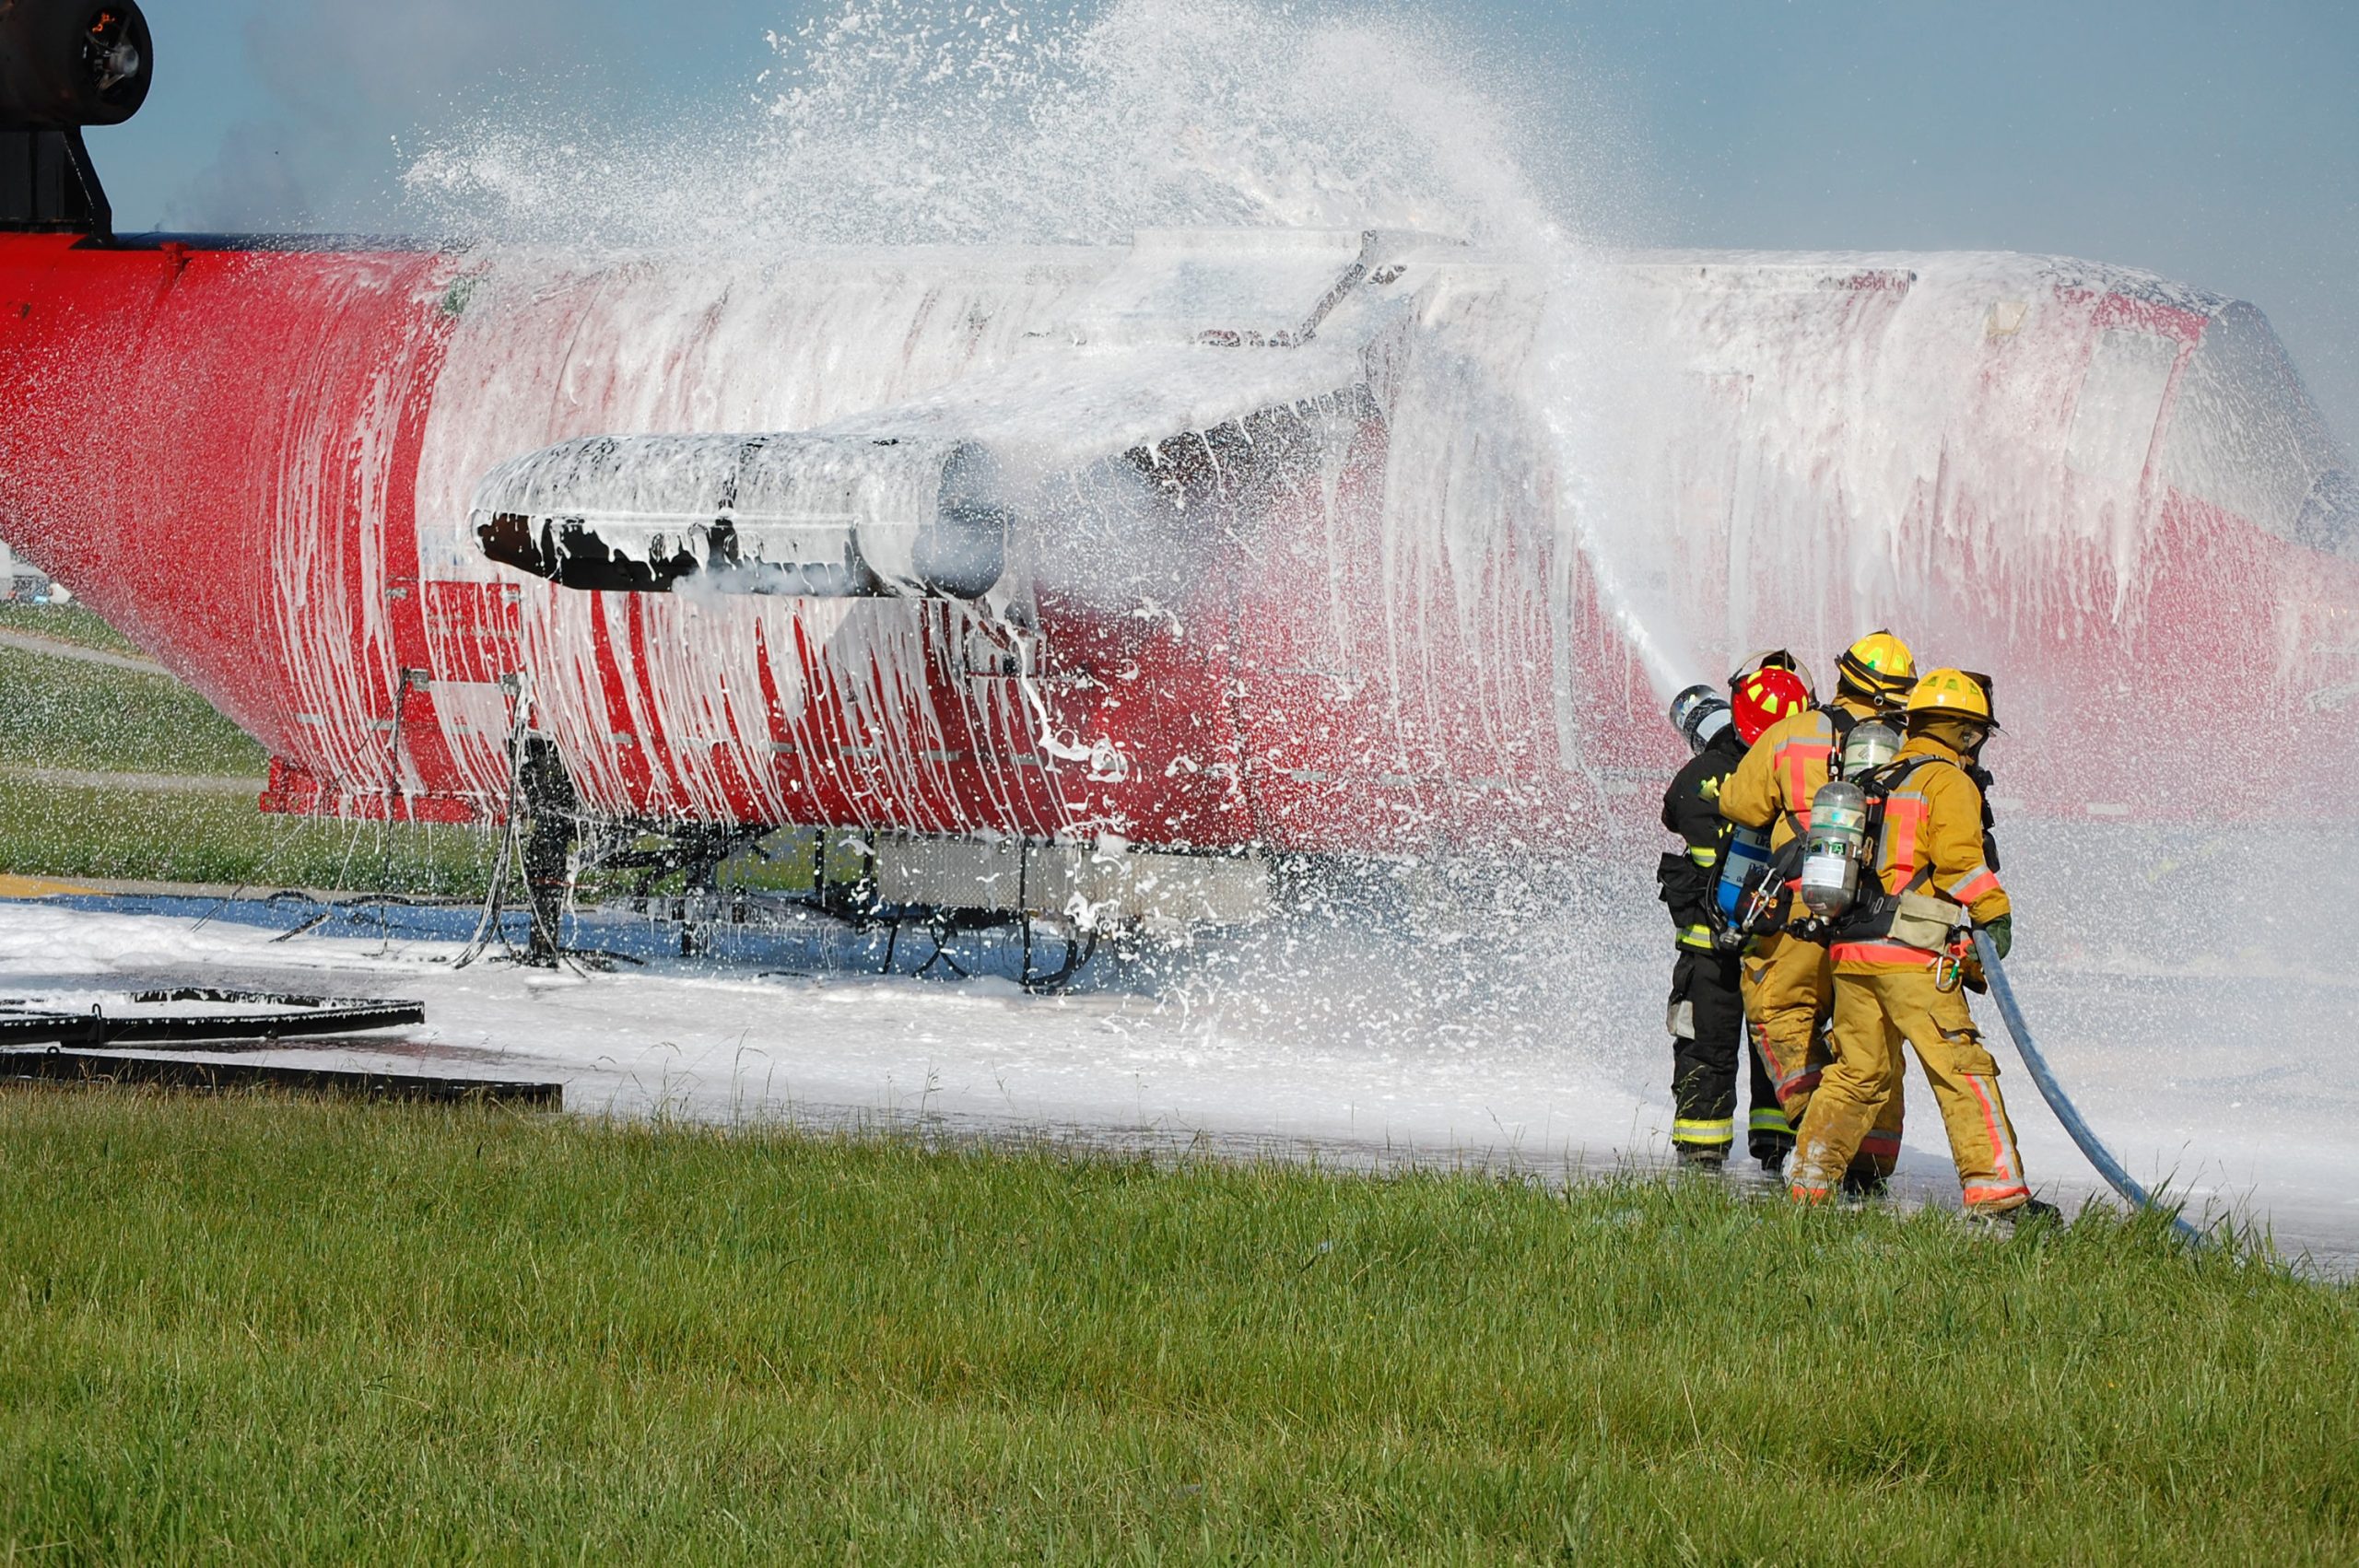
(2032, 1214)
(1769, 1136)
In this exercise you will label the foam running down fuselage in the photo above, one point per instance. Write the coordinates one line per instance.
(1215, 543)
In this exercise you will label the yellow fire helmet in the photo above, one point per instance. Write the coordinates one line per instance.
(1878, 667)
(1951, 691)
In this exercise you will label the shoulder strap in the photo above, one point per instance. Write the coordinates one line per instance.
(1842, 722)
(1985, 783)
(1882, 783)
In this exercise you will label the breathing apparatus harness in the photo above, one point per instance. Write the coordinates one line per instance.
(1847, 820)
(1847, 836)
(1753, 899)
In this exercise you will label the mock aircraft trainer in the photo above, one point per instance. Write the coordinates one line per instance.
(1093, 578)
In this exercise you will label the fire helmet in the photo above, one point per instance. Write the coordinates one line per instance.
(1877, 669)
(1958, 692)
(1774, 659)
(1699, 713)
(1765, 696)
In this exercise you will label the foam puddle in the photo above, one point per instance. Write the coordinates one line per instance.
(1374, 1041)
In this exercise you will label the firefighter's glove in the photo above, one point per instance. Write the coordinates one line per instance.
(2001, 931)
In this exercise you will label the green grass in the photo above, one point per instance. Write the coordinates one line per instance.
(60, 831)
(67, 714)
(62, 714)
(63, 622)
(248, 1331)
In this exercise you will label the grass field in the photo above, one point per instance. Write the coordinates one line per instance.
(159, 836)
(65, 715)
(63, 622)
(254, 1330)
(62, 713)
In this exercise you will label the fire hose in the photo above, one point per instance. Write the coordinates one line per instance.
(2058, 1101)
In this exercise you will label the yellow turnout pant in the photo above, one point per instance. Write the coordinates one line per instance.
(1788, 987)
(1876, 1006)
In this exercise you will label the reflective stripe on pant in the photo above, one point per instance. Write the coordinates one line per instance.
(1707, 1020)
(1876, 1008)
(1789, 990)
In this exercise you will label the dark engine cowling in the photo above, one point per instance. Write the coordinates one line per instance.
(67, 64)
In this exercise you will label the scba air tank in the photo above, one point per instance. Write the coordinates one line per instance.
(1747, 855)
(1868, 747)
(1839, 828)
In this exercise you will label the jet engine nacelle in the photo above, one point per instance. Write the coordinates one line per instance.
(66, 63)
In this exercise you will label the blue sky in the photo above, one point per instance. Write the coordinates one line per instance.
(2215, 143)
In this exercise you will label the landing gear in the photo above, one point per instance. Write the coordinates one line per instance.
(1079, 947)
(673, 873)
(693, 853)
(1040, 977)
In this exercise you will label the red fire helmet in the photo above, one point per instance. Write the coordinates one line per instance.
(1765, 696)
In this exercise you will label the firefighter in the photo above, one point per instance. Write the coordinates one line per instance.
(1897, 971)
(555, 812)
(1786, 983)
(1707, 1014)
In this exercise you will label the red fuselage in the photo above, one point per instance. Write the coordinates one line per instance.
(257, 462)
